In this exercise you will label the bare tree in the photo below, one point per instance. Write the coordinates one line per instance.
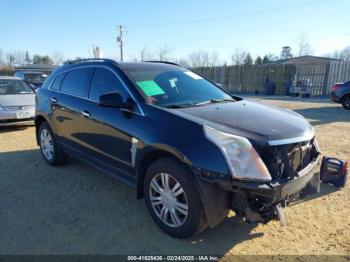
(16, 58)
(163, 52)
(183, 62)
(144, 53)
(199, 59)
(238, 57)
(345, 54)
(214, 59)
(304, 47)
(2, 62)
(57, 58)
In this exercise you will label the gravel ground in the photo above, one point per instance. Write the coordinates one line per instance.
(76, 209)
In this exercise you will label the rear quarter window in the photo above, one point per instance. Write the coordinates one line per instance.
(56, 84)
(76, 82)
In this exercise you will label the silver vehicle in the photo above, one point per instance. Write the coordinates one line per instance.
(17, 102)
(34, 79)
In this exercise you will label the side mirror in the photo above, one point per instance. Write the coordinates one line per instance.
(113, 100)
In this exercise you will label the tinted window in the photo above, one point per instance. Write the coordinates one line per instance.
(56, 85)
(103, 81)
(76, 82)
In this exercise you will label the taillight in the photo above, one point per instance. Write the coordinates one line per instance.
(335, 87)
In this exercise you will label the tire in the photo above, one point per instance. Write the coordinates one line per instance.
(346, 102)
(47, 142)
(178, 224)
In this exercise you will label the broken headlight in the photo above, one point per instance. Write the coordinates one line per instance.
(242, 159)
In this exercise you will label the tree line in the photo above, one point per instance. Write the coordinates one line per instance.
(19, 58)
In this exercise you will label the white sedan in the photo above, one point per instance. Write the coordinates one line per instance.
(17, 102)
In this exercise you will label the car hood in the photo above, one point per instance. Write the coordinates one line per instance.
(17, 100)
(260, 123)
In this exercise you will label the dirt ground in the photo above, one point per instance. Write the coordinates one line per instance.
(76, 209)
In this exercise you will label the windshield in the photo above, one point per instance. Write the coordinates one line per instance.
(35, 78)
(14, 87)
(175, 88)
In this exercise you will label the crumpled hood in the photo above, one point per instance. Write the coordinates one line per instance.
(257, 122)
(17, 100)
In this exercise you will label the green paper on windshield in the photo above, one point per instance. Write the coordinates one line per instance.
(150, 88)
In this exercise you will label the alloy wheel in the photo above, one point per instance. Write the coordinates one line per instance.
(46, 144)
(168, 200)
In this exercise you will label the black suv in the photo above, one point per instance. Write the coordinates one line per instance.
(192, 150)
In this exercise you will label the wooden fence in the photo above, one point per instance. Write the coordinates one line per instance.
(320, 77)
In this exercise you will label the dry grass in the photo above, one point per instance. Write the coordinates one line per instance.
(76, 209)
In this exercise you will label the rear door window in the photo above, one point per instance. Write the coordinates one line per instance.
(76, 82)
(103, 82)
(56, 85)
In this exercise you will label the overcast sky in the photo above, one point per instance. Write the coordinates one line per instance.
(257, 26)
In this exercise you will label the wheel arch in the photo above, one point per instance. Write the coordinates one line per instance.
(39, 119)
(344, 95)
(150, 156)
(214, 199)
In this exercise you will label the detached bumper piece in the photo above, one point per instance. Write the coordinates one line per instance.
(260, 203)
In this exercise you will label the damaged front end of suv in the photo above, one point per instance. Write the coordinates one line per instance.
(266, 178)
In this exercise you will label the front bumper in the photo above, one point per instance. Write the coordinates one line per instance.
(263, 198)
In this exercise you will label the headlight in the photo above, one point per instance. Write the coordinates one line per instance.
(243, 161)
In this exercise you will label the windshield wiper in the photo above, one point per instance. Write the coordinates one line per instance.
(174, 106)
(213, 101)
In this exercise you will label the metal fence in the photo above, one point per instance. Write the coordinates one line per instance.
(320, 77)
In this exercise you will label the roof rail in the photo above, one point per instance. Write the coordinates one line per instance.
(164, 62)
(90, 60)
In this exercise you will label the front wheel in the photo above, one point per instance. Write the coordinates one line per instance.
(172, 199)
(346, 102)
(50, 150)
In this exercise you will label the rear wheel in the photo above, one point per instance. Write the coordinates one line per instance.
(346, 102)
(50, 150)
(172, 199)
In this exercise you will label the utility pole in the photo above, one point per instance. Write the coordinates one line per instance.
(120, 39)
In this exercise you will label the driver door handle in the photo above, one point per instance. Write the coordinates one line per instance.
(53, 100)
(86, 113)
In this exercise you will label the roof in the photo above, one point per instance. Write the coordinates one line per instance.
(36, 67)
(121, 65)
(9, 78)
(305, 59)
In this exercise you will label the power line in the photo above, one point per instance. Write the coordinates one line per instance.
(200, 20)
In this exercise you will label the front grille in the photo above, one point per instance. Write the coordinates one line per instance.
(287, 160)
(15, 108)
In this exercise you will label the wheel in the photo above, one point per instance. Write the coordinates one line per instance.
(49, 149)
(172, 199)
(346, 102)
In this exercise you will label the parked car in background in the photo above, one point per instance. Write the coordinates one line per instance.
(340, 93)
(192, 150)
(34, 79)
(17, 102)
